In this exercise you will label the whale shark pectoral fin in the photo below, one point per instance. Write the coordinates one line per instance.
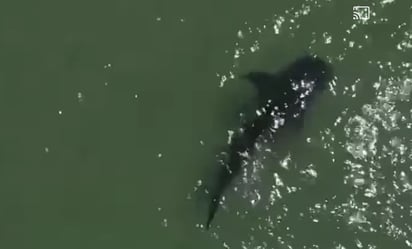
(261, 80)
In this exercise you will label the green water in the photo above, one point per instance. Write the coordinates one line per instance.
(104, 104)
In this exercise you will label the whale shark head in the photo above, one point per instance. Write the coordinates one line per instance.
(309, 69)
(307, 75)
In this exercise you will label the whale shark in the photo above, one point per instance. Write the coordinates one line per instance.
(283, 99)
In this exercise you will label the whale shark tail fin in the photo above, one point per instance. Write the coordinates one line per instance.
(214, 204)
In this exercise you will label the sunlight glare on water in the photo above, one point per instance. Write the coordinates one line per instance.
(371, 154)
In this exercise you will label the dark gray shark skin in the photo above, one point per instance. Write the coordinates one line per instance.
(283, 99)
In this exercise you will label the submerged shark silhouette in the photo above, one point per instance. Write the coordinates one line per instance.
(283, 99)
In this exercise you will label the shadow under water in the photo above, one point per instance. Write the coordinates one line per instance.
(283, 99)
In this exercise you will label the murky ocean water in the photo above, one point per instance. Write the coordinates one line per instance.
(113, 112)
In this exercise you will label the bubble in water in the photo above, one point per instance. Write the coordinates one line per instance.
(80, 97)
(240, 34)
(164, 223)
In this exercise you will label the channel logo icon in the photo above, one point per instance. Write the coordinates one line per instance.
(361, 13)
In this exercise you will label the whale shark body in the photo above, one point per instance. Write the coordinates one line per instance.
(283, 99)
